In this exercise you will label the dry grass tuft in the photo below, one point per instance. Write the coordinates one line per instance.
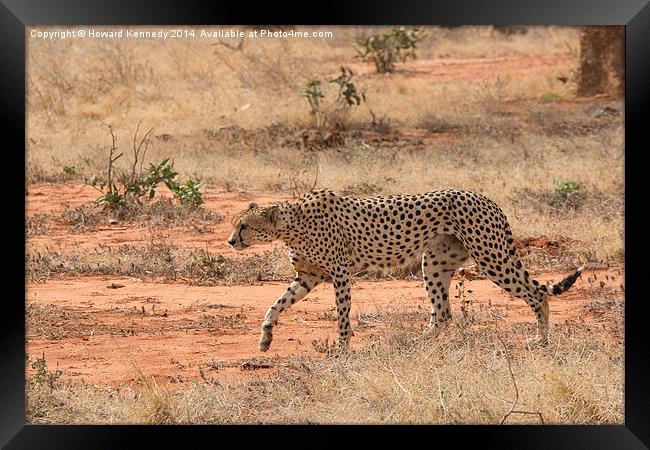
(38, 224)
(559, 205)
(155, 407)
(470, 375)
(161, 213)
(160, 258)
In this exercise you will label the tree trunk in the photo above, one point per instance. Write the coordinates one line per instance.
(602, 60)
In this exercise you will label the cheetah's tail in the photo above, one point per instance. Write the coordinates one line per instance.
(565, 284)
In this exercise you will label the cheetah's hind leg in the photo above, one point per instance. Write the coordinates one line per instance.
(441, 258)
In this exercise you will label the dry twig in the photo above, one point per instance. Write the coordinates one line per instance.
(514, 383)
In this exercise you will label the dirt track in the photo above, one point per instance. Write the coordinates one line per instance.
(96, 333)
(476, 69)
(93, 332)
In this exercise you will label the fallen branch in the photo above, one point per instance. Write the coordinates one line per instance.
(514, 383)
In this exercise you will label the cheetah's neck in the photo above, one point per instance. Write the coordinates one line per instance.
(288, 220)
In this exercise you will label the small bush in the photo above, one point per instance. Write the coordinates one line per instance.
(330, 114)
(314, 95)
(385, 50)
(43, 375)
(188, 193)
(348, 94)
(136, 185)
(70, 171)
(566, 188)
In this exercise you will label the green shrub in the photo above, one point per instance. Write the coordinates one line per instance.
(69, 170)
(43, 375)
(348, 96)
(314, 95)
(188, 193)
(566, 188)
(385, 50)
(135, 184)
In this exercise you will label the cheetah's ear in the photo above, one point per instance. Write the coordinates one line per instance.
(253, 206)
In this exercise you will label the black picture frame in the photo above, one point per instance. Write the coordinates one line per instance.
(16, 15)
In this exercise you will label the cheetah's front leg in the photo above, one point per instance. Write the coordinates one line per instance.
(301, 285)
(341, 281)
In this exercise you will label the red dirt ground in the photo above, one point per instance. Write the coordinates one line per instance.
(96, 333)
(476, 69)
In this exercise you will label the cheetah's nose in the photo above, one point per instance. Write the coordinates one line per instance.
(231, 241)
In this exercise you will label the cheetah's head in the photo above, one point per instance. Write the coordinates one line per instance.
(254, 225)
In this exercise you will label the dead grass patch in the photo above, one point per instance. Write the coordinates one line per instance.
(160, 259)
(559, 204)
(38, 224)
(556, 253)
(51, 322)
(486, 376)
(162, 212)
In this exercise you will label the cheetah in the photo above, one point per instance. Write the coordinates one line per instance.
(330, 237)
